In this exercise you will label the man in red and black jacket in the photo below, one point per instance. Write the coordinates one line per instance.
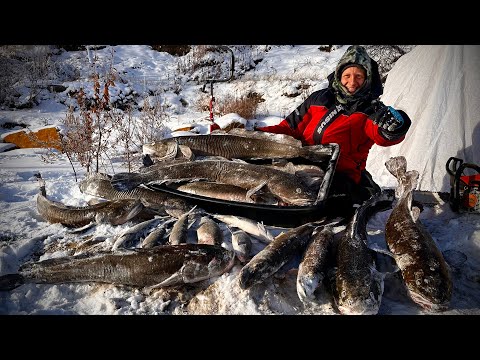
(348, 113)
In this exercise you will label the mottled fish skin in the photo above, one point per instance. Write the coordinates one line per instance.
(276, 254)
(157, 236)
(215, 190)
(359, 287)
(422, 265)
(134, 233)
(313, 267)
(285, 186)
(237, 147)
(97, 184)
(242, 245)
(179, 232)
(160, 266)
(209, 232)
(114, 212)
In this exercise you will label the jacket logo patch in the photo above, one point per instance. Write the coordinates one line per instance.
(332, 114)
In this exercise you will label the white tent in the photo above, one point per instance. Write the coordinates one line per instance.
(438, 86)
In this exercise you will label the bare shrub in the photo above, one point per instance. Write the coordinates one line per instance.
(24, 65)
(124, 123)
(245, 105)
(86, 137)
(151, 123)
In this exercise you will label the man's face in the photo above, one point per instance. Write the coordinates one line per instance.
(353, 78)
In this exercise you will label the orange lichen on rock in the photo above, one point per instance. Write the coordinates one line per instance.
(44, 138)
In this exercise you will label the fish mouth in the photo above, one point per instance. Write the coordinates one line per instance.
(428, 304)
(359, 308)
(306, 288)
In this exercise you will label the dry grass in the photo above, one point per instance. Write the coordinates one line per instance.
(245, 105)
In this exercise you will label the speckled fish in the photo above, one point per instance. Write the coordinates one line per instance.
(226, 192)
(242, 245)
(157, 236)
(209, 232)
(423, 268)
(237, 147)
(160, 266)
(135, 233)
(286, 186)
(313, 266)
(276, 254)
(97, 184)
(113, 212)
(179, 232)
(250, 226)
(359, 286)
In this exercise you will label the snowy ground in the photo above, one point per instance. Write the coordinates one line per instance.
(25, 236)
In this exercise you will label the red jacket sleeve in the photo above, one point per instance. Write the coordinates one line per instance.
(281, 128)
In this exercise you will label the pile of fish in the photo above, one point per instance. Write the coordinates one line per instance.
(172, 242)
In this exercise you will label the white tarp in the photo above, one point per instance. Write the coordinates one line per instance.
(438, 86)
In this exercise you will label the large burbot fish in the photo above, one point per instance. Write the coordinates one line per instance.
(287, 187)
(276, 254)
(237, 147)
(114, 212)
(313, 267)
(359, 286)
(160, 266)
(98, 184)
(423, 268)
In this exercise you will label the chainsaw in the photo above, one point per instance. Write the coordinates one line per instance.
(464, 186)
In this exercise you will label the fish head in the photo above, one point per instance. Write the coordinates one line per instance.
(360, 297)
(208, 261)
(359, 307)
(245, 278)
(156, 148)
(306, 286)
(294, 194)
(92, 182)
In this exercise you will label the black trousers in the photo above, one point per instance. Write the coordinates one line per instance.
(344, 193)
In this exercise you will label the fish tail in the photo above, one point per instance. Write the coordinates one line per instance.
(11, 281)
(126, 181)
(315, 153)
(397, 166)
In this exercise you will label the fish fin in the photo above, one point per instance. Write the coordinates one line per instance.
(264, 230)
(254, 190)
(172, 280)
(82, 228)
(240, 161)
(126, 181)
(11, 281)
(187, 152)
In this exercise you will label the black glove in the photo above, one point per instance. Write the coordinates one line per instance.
(387, 118)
